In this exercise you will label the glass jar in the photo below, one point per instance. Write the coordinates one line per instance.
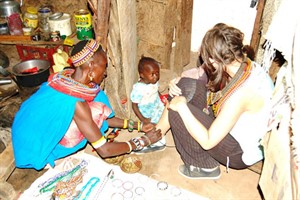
(31, 18)
(43, 14)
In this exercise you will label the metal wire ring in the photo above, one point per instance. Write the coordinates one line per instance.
(175, 192)
(117, 183)
(117, 195)
(128, 194)
(128, 185)
(139, 190)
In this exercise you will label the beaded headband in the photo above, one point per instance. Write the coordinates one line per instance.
(86, 53)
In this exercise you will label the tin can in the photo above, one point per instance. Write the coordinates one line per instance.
(55, 36)
(83, 22)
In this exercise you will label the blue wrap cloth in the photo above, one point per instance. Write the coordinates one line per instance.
(42, 122)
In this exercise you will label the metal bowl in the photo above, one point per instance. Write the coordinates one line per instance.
(32, 79)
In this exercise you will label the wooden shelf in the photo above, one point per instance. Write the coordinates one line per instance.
(22, 39)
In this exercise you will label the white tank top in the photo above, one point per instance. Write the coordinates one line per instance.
(256, 123)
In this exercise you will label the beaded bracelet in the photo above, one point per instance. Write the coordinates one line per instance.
(162, 185)
(139, 126)
(142, 126)
(141, 142)
(130, 147)
(99, 142)
(130, 125)
(125, 123)
(137, 143)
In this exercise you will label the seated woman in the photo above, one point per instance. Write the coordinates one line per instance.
(220, 120)
(70, 110)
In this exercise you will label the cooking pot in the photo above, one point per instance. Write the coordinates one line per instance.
(31, 73)
(8, 7)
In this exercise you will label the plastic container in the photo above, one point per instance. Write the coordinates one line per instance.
(36, 52)
(31, 18)
(15, 24)
(27, 30)
(61, 23)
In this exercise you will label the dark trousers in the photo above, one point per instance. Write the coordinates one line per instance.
(227, 152)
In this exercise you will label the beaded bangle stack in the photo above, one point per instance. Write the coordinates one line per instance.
(99, 142)
(139, 143)
(139, 126)
(125, 123)
(129, 124)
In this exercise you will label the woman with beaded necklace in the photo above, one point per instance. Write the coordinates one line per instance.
(221, 118)
(70, 110)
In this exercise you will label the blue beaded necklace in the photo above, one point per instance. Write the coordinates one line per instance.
(93, 181)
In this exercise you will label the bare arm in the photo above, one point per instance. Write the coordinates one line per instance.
(137, 112)
(116, 122)
(86, 125)
(163, 123)
(221, 126)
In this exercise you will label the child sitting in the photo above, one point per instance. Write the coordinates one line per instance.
(145, 98)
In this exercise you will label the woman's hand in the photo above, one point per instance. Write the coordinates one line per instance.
(154, 135)
(173, 89)
(176, 102)
(146, 120)
(147, 127)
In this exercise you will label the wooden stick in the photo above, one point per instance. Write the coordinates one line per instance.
(102, 22)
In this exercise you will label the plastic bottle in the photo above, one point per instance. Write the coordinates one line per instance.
(31, 18)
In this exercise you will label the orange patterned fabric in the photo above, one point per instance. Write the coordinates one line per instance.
(217, 100)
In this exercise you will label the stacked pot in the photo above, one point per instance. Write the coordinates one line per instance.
(10, 18)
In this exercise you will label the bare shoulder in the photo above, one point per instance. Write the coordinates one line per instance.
(82, 109)
(249, 98)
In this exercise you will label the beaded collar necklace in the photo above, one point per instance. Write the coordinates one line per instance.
(217, 99)
(63, 82)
